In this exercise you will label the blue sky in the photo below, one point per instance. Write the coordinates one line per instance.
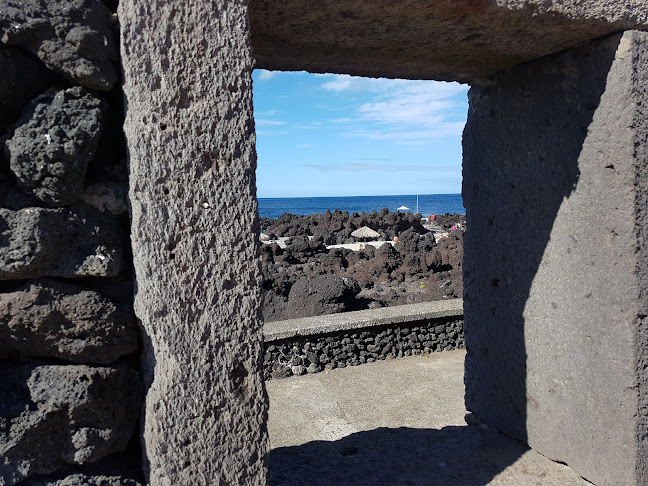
(338, 135)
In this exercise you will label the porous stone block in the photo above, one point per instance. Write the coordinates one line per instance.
(190, 132)
(556, 267)
(51, 416)
(452, 40)
(69, 242)
(53, 143)
(50, 319)
(72, 37)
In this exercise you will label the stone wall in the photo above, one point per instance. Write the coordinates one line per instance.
(71, 396)
(70, 393)
(312, 354)
(321, 343)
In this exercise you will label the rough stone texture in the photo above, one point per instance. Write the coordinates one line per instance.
(56, 415)
(72, 37)
(321, 294)
(71, 242)
(23, 77)
(83, 480)
(461, 40)
(639, 52)
(13, 198)
(53, 143)
(414, 270)
(555, 255)
(310, 354)
(49, 319)
(335, 227)
(190, 132)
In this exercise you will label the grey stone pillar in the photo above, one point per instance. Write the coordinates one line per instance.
(556, 256)
(190, 131)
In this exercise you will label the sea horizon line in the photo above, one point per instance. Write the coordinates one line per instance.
(371, 195)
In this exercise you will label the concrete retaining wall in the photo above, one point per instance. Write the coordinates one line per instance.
(314, 344)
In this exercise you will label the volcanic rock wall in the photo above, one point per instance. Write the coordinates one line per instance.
(70, 394)
(311, 354)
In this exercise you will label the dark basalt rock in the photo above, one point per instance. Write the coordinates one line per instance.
(83, 480)
(50, 319)
(13, 198)
(51, 416)
(53, 143)
(336, 227)
(416, 269)
(22, 77)
(321, 294)
(286, 357)
(72, 37)
(447, 220)
(70, 242)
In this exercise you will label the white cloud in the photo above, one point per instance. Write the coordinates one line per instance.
(340, 82)
(265, 74)
(303, 145)
(404, 134)
(262, 122)
(404, 111)
(382, 167)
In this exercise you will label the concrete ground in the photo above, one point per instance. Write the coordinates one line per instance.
(396, 422)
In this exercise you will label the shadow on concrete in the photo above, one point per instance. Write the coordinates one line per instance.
(522, 144)
(470, 456)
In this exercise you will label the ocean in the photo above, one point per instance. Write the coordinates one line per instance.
(428, 204)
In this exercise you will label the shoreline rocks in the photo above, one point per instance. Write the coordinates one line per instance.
(416, 269)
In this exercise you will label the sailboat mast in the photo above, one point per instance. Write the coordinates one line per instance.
(416, 199)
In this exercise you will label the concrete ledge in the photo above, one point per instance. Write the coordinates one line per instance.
(445, 40)
(317, 325)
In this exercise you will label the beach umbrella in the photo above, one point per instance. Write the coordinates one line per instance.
(365, 232)
(403, 208)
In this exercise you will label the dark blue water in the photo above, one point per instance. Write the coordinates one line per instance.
(428, 204)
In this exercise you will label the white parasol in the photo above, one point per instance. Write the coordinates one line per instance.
(365, 232)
